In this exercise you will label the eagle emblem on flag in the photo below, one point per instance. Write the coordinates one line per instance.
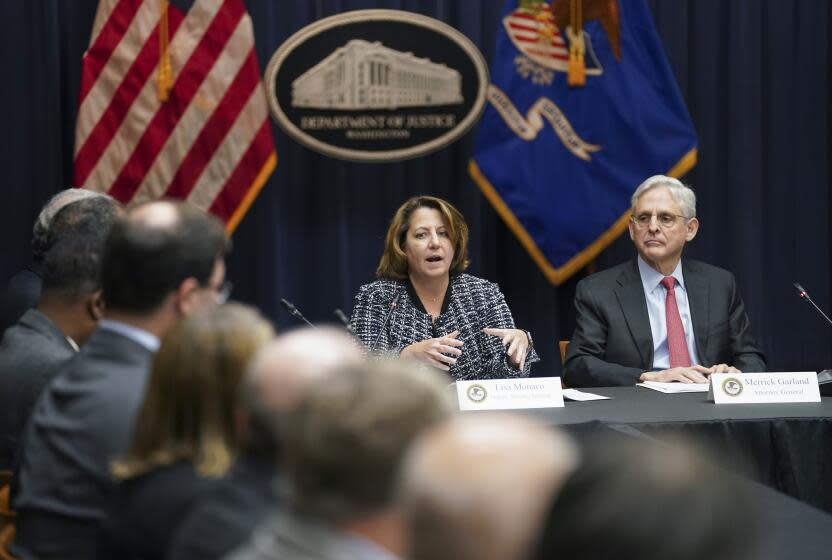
(544, 49)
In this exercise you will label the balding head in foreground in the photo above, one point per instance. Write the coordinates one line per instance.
(279, 375)
(164, 260)
(476, 487)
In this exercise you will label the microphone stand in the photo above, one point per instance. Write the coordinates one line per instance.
(342, 317)
(825, 376)
(393, 303)
(805, 296)
(293, 311)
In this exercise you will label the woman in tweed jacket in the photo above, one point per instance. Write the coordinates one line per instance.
(438, 315)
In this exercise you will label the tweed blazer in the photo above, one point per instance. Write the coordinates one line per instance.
(471, 304)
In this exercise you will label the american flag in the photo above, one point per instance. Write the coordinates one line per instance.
(198, 130)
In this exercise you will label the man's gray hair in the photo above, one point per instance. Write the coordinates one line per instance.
(40, 231)
(682, 194)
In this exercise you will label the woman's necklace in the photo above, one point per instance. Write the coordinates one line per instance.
(432, 299)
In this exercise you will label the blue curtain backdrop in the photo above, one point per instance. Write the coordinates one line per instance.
(755, 78)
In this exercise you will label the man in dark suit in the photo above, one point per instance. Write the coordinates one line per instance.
(164, 260)
(660, 317)
(46, 337)
(68, 309)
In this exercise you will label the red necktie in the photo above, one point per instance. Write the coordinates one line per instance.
(677, 345)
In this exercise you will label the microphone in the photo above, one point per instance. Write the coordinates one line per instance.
(344, 320)
(805, 295)
(393, 303)
(825, 376)
(292, 310)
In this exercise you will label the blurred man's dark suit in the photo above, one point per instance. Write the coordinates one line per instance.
(30, 352)
(82, 421)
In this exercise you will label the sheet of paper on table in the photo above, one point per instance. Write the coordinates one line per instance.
(575, 395)
(675, 387)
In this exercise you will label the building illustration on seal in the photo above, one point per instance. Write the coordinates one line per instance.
(365, 75)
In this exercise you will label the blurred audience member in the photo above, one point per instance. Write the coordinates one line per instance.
(44, 338)
(67, 312)
(23, 289)
(184, 439)
(343, 448)
(270, 389)
(477, 487)
(163, 261)
(640, 500)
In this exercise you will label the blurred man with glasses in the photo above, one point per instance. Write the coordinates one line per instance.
(660, 317)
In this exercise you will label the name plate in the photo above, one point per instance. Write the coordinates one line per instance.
(780, 387)
(505, 394)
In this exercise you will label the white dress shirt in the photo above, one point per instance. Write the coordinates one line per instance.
(656, 295)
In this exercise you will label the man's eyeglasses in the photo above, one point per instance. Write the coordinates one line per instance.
(665, 219)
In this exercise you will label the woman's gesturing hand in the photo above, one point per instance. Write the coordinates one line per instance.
(516, 343)
(439, 352)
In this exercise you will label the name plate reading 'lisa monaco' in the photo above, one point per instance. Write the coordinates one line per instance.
(780, 387)
(504, 394)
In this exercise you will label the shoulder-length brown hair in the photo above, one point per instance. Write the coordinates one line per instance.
(393, 264)
(188, 409)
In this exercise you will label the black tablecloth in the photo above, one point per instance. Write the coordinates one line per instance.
(790, 529)
(785, 446)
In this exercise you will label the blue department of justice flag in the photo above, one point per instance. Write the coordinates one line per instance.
(575, 121)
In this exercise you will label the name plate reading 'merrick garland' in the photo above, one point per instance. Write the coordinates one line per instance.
(376, 85)
(504, 394)
(780, 387)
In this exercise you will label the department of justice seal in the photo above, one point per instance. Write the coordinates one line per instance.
(477, 393)
(376, 85)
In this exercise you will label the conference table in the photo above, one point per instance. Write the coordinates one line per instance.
(789, 529)
(787, 447)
